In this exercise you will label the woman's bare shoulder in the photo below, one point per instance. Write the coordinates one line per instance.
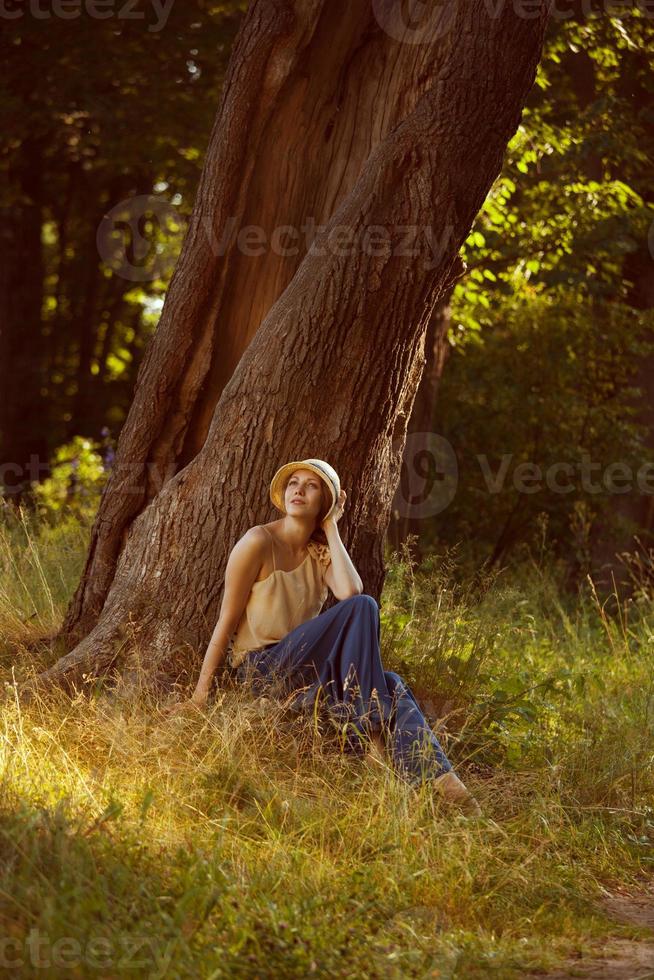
(256, 532)
(254, 539)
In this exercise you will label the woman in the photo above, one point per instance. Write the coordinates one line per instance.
(276, 582)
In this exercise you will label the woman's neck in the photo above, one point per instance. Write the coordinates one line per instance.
(295, 532)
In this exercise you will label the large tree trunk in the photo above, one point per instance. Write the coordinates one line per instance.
(309, 94)
(333, 368)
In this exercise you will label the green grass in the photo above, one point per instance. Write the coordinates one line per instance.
(241, 842)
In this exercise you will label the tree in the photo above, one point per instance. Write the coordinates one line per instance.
(322, 355)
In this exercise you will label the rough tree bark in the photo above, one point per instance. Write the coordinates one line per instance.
(403, 521)
(333, 368)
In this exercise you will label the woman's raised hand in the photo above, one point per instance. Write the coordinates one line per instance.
(337, 513)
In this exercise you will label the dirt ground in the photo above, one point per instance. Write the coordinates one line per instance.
(617, 959)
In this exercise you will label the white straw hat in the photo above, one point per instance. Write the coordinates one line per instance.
(322, 469)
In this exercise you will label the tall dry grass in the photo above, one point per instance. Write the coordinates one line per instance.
(241, 841)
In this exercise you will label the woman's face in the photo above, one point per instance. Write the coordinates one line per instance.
(303, 494)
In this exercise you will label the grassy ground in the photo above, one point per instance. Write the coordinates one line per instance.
(240, 842)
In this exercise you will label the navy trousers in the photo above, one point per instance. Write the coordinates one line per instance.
(333, 661)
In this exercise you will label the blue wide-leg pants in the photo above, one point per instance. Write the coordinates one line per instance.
(334, 660)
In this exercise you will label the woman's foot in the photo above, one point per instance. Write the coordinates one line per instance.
(453, 790)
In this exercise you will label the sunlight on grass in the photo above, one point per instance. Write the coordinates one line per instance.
(241, 841)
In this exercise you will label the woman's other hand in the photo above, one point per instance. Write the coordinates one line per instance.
(190, 705)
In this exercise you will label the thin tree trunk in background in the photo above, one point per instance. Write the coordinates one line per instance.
(116, 307)
(310, 91)
(86, 329)
(334, 367)
(62, 211)
(86, 409)
(634, 509)
(403, 523)
(23, 450)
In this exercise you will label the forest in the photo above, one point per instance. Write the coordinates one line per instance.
(414, 240)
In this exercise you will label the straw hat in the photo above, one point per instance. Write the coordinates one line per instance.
(322, 469)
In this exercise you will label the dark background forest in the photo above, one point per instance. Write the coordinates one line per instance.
(540, 405)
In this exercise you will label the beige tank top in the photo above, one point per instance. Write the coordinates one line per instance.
(280, 602)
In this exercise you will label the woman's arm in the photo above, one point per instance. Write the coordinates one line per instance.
(243, 565)
(341, 576)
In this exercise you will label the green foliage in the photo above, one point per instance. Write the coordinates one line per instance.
(78, 476)
(552, 385)
(553, 321)
(575, 194)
